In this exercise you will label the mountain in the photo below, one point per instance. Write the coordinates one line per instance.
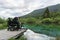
(39, 12)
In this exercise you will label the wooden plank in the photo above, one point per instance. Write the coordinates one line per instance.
(20, 34)
(5, 35)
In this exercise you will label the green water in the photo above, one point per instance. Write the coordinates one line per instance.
(50, 30)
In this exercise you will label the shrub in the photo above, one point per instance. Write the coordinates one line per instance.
(38, 22)
(3, 26)
(47, 20)
(2, 20)
(29, 20)
(56, 21)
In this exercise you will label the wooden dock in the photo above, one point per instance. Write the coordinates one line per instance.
(5, 35)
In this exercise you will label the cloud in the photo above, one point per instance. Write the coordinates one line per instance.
(12, 8)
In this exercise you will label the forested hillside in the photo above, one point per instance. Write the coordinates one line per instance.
(52, 9)
(47, 15)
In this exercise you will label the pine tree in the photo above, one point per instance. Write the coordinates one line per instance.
(46, 13)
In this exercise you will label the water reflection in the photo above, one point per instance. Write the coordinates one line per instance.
(44, 29)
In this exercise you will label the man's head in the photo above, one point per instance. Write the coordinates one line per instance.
(16, 18)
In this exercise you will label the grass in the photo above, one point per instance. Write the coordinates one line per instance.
(57, 38)
(21, 38)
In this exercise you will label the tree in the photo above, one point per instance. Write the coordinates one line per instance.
(46, 13)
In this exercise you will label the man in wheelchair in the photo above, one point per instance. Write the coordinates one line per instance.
(13, 24)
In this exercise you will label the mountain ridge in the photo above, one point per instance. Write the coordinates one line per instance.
(40, 12)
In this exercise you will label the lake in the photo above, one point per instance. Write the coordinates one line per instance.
(50, 30)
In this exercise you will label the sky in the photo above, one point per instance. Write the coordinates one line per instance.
(16, 8)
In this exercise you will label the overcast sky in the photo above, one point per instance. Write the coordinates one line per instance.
(12, 8)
